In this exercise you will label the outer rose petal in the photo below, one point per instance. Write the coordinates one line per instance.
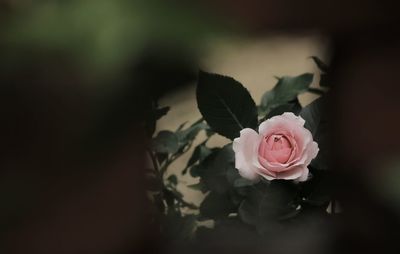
(268, 177)
(293, 118)
(303, 138)
(287, 121)
(304, 176)
(246, 148)
(311, 152)
(292, 174)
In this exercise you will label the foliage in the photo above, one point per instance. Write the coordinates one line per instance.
(225, 104)
(264, 206)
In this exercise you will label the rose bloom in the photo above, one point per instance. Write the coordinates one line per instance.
(282, 149)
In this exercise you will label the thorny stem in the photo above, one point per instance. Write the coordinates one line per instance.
(162, 169)
(153, 160)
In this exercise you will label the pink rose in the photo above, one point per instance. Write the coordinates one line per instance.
(282, 149)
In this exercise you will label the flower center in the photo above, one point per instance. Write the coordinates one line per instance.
(276, 148)
(278, 142)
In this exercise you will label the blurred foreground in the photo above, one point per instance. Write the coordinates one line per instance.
(80, 82)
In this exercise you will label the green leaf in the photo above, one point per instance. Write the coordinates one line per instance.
(249, 210)
(179, 228)
(242, 182)
(232, 174)
(187, 136)
(215, 168)
(268, 203)
(312, 114)
(173, 179)
(280, 200)
(317, 123)
(320, 64)
(199, 154)
(216, 206)
(188, 226)
(191, 132)
(225, 104)
(318, 190)
(293, 106)
(209, 132)
(198, 169)
(286, 90)
(165, 142)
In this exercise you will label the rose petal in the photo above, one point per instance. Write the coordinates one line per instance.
(279, 156)
(303, 137)
(292, 174)
(304, 176)
(293, 118)
(267, 176)
(273, 167)
(304, 151)
(291, 126)
(245, 148)
(311, 152)
(287, 121)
